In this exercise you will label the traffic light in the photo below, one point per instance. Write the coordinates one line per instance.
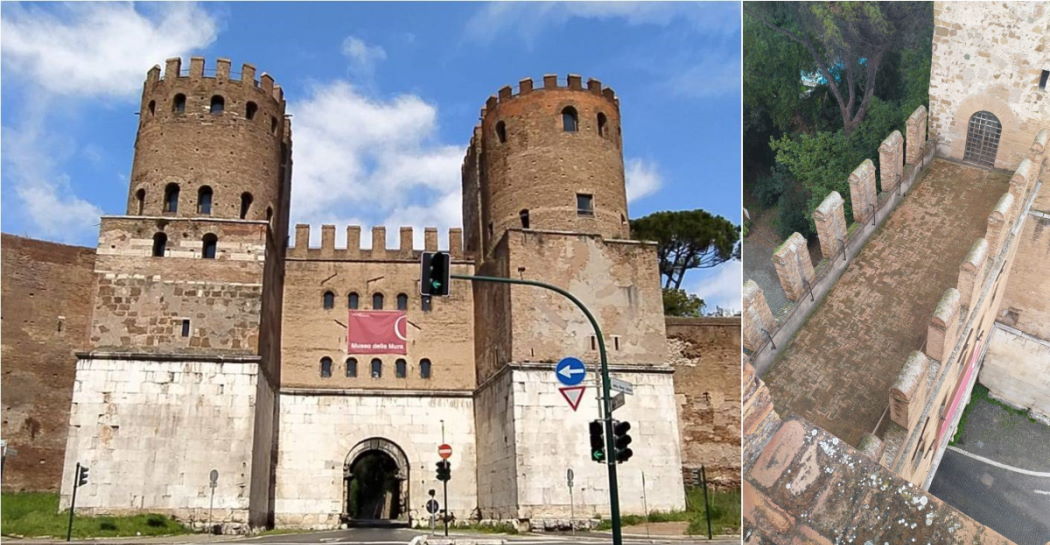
(82, 479)
(597, 441)
(444, 470)
(621, 440)
(434, 273)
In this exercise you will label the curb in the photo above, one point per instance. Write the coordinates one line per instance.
(426, 540)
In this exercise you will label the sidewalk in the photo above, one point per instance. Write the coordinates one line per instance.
(189, 539)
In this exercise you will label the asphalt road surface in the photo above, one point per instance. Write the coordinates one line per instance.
(1014, 504)
(401, 536)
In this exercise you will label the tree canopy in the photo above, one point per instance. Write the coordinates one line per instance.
(688, 239)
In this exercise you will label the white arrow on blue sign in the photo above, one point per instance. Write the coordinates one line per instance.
(570, 371)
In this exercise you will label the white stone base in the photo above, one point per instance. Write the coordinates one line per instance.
(1016, 371)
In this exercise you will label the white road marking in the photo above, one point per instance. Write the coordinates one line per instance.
(1000, 465)
(1043, 492)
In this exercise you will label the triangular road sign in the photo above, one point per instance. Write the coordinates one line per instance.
(573, 394)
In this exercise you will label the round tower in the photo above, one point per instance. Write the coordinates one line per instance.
(210, 144)
(548, 159)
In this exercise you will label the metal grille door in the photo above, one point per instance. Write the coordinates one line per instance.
(982, 139)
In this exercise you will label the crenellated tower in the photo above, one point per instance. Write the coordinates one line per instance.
(547, 158)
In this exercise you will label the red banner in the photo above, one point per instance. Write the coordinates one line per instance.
(377, 332)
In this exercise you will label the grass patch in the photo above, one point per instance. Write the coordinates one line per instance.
(494, 528)
(36, 514)
(725, 513)
(979, 394)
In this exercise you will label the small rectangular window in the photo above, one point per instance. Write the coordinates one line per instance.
(616, 343)
(594, 342)
(1043, 78)
(584, 204)
(185, 328)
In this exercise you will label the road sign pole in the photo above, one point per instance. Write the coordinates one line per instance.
(73, 502)
(444, 486)
(614, 493)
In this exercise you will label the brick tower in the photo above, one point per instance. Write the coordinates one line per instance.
(185, 329)
(544, 199)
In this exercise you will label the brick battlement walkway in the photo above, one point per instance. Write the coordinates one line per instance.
(839, 368)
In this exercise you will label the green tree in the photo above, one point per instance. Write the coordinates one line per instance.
(847, 43)
(680, 303)
(688, 239)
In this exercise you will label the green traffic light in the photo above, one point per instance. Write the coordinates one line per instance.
(598, 455)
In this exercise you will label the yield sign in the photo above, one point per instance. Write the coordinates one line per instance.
(573, 394)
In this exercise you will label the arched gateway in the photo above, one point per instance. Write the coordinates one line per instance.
(375, 482)
(982, 139)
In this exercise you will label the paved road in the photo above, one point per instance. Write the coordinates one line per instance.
(401, 536)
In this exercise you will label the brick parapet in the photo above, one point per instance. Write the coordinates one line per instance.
(830, 220)
(915, 144)
(971, 272)
(379, 251)
(757, 316)
(862, 192)
(794, 266)
(891, 161)
(943, 327)
(908, 393)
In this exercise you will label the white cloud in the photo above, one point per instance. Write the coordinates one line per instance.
(642, 179)
(529, 19)
(378, 157)
(717, 73)
(363, 57)
(719, 286)
(98, 48)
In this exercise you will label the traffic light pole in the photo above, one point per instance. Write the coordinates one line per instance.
(73, 502)
(610, 458)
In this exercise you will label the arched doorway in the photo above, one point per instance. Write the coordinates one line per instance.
(375, 482)
(982, 139)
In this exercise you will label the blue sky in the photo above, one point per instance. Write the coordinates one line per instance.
(384, 97)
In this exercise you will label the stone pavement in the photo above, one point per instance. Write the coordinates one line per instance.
(838, 370)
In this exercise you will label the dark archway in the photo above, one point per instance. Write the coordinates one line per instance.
(982, 139)
(375, 482)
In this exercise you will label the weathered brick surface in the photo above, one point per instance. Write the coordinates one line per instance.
(891, 161)
(757, 316)
(862, 193)
(794, 267)
(908, 394)
(705, 354)
(972, 72)
(944, 326)
(971, 272)
(840, 366)
(830, 219)
(46, 314)
(915, 146)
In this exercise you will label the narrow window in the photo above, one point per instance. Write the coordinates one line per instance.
(210, 243)
(273, 124)
(204, 200)
(152, 107)
(569, 120)
(1043, 78)
(246, 204)
(524, 215)
(616, 343)
(353, 301)
(171, 198)
(425, 303)
(401, 368)
(402, 301)
(328, 300)
(326, 367)
(377, 301)
(249, 110)
(594, 342)
(584, 204)
(377, 368)
(269, 213)
(160, 241)
(501, 132)
(218, 104)
(351, 367)
(140, 200)
(490, 229)
(601, 124)
(185, 328)
(424, 368)
(178, 104)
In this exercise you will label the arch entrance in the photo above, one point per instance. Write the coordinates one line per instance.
(375, 482)
(982, 139)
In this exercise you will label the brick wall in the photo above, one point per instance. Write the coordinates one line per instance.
(47, 291)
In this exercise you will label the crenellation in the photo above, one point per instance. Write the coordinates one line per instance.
(574, 82)
(915, 144)
(830, 220)
(999, 223)
(222, 69)
(353, 240)
(908, 393)
(794, 267)
(430, 239)
(550, 81)
(196, 68)
(405, 242)
(455, 243)
(971, 273)
(378, 241)
(248, 74)
(266, 83)
(172, 68)
(863, 197)
(327, 241)
(758, 322)
(891, 161)
(524, 86)
(942, 331)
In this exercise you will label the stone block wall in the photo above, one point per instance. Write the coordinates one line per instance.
(794, 266)
(137, 424)
(757, 316)
(830, 220)
(497, 458)
(47, 300)
(863, 197)
(915, 126)
(319, 430)
(1014, 371)
(969, 73)
(891, 161)
(705, 354)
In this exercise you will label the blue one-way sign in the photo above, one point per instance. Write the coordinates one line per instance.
(570, 371)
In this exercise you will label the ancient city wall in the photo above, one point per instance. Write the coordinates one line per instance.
(497, 457)
(444, 334)
(319, 431)
(47, 300)
(970, 75)
(136, 423)
(705, 354)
